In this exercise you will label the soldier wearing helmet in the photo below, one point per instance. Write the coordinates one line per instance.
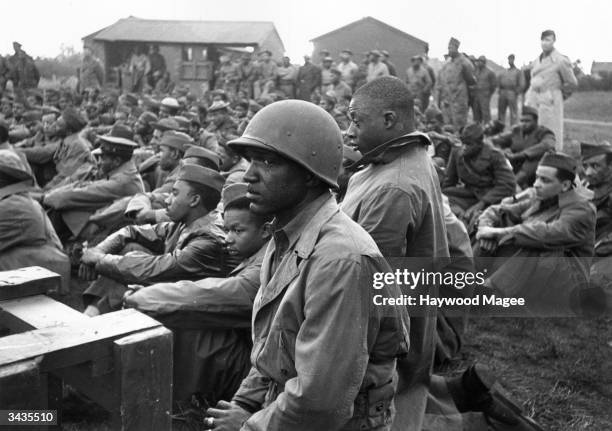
(314, 308)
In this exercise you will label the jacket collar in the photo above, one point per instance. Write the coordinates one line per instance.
(389, 151)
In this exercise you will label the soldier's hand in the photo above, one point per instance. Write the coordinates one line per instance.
(488, 245)
(145, 216)
(226, 417)
(473, 211)
(92, 256)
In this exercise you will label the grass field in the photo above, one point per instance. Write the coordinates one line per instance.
(589, 105)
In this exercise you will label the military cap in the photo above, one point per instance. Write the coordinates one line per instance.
(511, 56)
(121, 131)
(193, 117)
(210, 158)
(183, 122)
(149, 102)
(117, 146)
(178, 140)
(233, 193)
(170, 102)
(148, 117)
(166, 124)
(49, 109)
(528, 110)
(454, 42)
(348, 51)
(17, 44)
(73, 118)
(375, 52)
(218, 105)
(482, 58)
(328, 58)
(32, 116)
(560, 161)
(131, 99)
(201, 176)
(385, 52)
(472, 132)
(588, 150)
(547, 33)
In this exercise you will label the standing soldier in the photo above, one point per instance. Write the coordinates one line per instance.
(315, 307)
(266, 74)
(511, 84)
(390, 66)
(396, 198)
(158, 66)
(326, 75)
(226, 76)
(419, 82)
(92, 74)
(456, 75)
(287, 77)
(24, 72)
(309, 79)
(246, 71)
(486, 83)
(552, 81)
(347, 67)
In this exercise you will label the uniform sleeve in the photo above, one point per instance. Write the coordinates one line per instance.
(18, 226)
(200, 256)
(568, 78)
(504, 181)
(451, 178)
(149, 236)
(492, 216)
(546, 143)
(96, 194)
(336, 309)
(208, 303)
(390, 216)
(575, 224)
(252, 391)
(40, 155)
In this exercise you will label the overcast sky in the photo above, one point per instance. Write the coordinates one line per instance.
(488, 27)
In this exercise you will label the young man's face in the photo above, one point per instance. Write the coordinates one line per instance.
(180, 201)
(366, 127)
(167, 159)
(275, 183)
(528, 123)
(227, 160)
(597, 170)
(246, 233)
(547, 43)
(547, 185)
(240, 111)
(326, 104)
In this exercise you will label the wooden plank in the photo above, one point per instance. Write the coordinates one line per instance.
(72, 344)
(143, 369)
(40, 311)
(20, 384)
(32, 280)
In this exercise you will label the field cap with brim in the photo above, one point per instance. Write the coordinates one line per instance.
(117, 146)
(203, 153)
(12, 166)
(472, 132)
(170, 102)
(148, 118)
(166, 124)
(218, 105)
(202, 176)
(183, 122)
(121, 131)
(528, 110)
(178, 140)
(588, 149)
(233, 192)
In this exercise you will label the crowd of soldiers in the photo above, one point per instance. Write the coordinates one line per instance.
(251, 224)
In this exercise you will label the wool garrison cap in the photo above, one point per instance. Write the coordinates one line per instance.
(209, 158)
(560, 161)
(233, 192)
(122, 131)
(588, 150)
(167, 124)
(201, 176)
(472, 132)
(178, 140)
(454, 42)
(528, 110)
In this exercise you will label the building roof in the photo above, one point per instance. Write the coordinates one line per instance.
(601, 66)
(372, 20)
(210, 32)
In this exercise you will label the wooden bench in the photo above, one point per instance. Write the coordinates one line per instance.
(121, 360)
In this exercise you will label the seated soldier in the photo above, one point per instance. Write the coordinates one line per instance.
(597, 165)
(68, 152)
(187, 248)
(525, 145)
(232, 165)
(73, 204)
(443, 142)
(221, 122)
(27, 237)
(477, 176)
(328, 102)
(556, 223)
(211, 318)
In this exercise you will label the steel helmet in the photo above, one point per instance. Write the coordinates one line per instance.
(300, 131)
